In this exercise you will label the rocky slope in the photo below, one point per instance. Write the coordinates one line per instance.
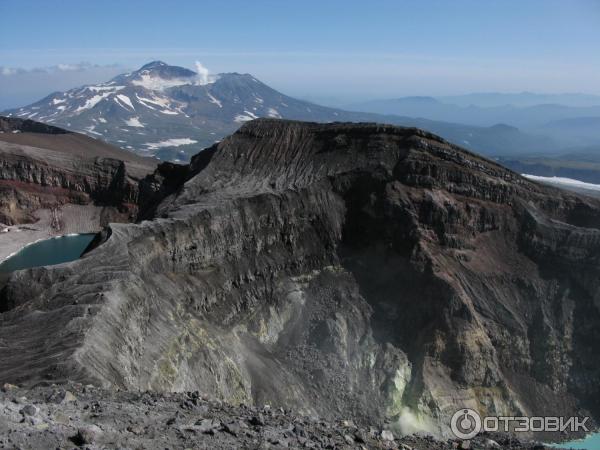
(172, 113)
(42, 166)
(73, 414)
(359, 271)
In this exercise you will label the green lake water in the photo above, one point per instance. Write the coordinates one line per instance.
(48, 252)
(592, 442)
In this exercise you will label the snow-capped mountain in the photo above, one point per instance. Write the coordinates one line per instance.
(172, 113)
(168, 111)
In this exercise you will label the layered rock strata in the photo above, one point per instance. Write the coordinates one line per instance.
(363, 271)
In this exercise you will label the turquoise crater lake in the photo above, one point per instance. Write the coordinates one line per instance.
(592, 442)
(48, 252)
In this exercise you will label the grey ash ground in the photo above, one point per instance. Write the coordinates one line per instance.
(73, 415)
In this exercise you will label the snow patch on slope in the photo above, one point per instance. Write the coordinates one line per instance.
(170, 143)
(240, 118)
(272, 112)
(91, 130)
(248, 115)
(212, 99)
(134, 122)
(125, 100)
(102, 88)
(155, 100)
(91, 102)
(564, 182)
(154, 83)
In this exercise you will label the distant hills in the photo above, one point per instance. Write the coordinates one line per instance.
(574, 123)
(171, 113)
(521, 99)
(534, 116)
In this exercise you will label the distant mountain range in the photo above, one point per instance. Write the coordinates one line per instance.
(520, 99)
(533, 116)
(574, 124)
(172, 113)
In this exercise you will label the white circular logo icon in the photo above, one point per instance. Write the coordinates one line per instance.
(466, 424)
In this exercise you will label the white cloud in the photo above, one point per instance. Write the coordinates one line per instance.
(57, 68)
(66, 67)
(8, 71)
(22, 86)
(203, 73)
(134, 122)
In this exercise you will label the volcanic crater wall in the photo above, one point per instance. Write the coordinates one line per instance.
(42, 166)
(345, 270)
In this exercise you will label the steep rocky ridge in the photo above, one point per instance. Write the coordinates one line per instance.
(363, 271)
(42, 166)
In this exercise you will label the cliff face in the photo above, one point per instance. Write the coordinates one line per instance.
(43, 166)
(347, 270)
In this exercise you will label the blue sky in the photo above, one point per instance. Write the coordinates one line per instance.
(337, 50)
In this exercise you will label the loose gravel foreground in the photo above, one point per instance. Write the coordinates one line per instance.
(77, 416)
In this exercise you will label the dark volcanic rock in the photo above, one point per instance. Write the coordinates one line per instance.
(42, 166)
(128, 421)
(16, 125)
(357, 271)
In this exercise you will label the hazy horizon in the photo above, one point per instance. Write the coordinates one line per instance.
(22, 86)
(333, 53)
